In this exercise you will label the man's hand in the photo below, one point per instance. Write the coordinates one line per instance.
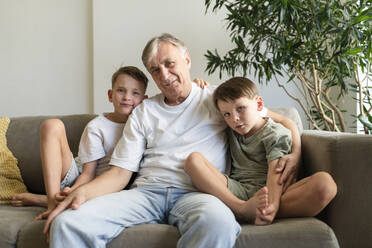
(288, 165)
(201, 83)
(43, 215)
(73, 200)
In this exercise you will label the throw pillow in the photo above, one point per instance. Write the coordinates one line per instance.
(10, 177)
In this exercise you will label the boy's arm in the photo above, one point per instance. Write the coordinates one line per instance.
(112, 180)
(274, 188)
(288, 164)
(87, 175)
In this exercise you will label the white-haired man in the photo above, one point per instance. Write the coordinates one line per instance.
(157, 139)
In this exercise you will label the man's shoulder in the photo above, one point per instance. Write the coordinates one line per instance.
(152, 100)
(147, 105)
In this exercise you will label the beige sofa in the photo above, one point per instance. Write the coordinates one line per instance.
(346, 156)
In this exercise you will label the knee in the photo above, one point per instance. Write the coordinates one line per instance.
(61, 223)
(192, 161)
(219, 220)
(51, 127)
(325, 188)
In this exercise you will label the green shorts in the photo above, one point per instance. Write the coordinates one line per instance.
(243, 192)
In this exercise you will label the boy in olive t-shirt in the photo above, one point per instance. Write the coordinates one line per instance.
(256, 144)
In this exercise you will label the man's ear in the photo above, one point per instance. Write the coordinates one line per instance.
(260, 103)
(188, 59)
(109, 94)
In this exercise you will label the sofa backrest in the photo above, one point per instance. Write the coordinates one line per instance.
(23, 139)
(292, 114)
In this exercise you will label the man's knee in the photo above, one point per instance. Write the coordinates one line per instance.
(61, 223)
(218, 218)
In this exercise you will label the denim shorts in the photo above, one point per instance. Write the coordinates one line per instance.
(72, 174)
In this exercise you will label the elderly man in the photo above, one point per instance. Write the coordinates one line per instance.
(157, 139)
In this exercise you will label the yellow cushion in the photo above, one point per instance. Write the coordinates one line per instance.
(10, 177)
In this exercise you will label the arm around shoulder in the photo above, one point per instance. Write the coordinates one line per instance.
(289, 163)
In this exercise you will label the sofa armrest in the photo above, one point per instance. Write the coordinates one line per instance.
(348, 158)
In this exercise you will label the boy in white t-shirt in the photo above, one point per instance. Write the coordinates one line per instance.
(61, 172)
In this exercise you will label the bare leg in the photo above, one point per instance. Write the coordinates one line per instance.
(209, 180)
(56, 158)
(266, 215)
(308, 197)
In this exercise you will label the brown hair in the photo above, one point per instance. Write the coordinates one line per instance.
(152, 46)
(132, 71)
(235, 88)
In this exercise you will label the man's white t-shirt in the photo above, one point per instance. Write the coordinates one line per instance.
(98, 141)
(158, 138)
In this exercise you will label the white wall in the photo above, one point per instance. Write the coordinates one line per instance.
(57, 57)
(122, 28)
(45, 57)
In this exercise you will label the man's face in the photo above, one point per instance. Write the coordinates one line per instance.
(170, 70)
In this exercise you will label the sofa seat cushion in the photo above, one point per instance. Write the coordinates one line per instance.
(17, 226)
(12, 219)
(294, 232)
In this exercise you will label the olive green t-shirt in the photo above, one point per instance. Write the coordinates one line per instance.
(250, 156)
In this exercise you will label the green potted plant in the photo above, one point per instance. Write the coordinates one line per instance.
(317, 45)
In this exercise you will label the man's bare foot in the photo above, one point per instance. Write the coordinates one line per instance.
(247, 212)
(29, 199)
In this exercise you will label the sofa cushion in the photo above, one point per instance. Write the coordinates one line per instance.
(12, 219)
(286, 233)
(293, 232)
(23, 138)
(10, 178)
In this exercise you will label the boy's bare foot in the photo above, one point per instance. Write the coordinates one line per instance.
(265, 212)
(265, 216)
(247, 212)
(29, 199)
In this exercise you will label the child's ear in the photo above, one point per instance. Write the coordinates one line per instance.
(260, 103)
(145, 96)
(109, 94)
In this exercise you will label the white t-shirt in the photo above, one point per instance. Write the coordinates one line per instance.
(158, 138)
(98, 141)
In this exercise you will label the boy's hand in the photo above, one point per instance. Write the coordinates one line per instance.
(288, 166)
(60, 196)
(73, 200)
(201, 83)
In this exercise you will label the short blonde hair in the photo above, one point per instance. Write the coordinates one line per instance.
(151, 47)
(235, 88)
